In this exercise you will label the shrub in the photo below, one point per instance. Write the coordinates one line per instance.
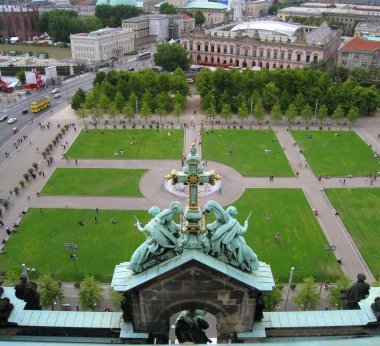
(35, 165)
(30, 170)
(22, 183)
(241, 127)
(16, 190)
(143, 126)
(5, 203)
(26, 176)
(293, 286)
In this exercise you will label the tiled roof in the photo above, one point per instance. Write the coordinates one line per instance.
(185, 16)
(360, 45)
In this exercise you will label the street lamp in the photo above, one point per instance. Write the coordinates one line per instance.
(72, 248)
(328, 248)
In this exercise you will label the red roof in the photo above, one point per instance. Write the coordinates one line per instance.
(362, 45)
(186, 16)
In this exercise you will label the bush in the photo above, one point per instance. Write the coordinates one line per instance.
(143, 126)
(293, 286)
(5, 203)
(241, 127)
(30, 170)
(320, 127)
(26, 176)
(16, 190)
(22, 183)
(35, 165)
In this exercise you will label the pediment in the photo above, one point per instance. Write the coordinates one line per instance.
(125, 279)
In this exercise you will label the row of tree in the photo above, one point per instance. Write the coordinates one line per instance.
(61, 23)
(290, 92)
(129, 93)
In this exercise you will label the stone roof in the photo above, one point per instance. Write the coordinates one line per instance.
(125, 279)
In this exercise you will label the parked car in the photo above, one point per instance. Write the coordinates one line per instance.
(3, 118)
(54, 91)
(131, 69)
(25, 111)
(57, 95)
(12, 120)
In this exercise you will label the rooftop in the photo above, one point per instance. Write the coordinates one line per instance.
(206, 5)
(359, 44)
(268, 27)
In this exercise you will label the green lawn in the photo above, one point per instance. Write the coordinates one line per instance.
(94, 182)
(54, 52)
(248, 152)
(302, 241)
(359, 210)
(336, 156)
(40, 240)
(104, 144)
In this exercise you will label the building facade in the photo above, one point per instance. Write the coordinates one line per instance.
(149, 29)
(359, 52)
(101, 45)
(19, 21)
(276, 45)
(364, 28)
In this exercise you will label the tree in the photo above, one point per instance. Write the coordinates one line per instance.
(166, 8)
(338, 113)
(78, 98)
(113, 15)
(199, 18)
(273, 298)
(90, 294)
(145, 111)
(342, 283)
(353, 114)
(20, 75)
(270, 95)
(242, 112)
(204, 82)
(128, 111)
(116, 298)
(171, 56)
(322, 113)
(161, 111)
(113, 112)
(276, 112)
(307, 296)
(82, 114)
(104, 102)
(177, 110)
(119, 101)
(211, 111)
(225, 112)
(291, 112)
(50, 291)
(307, 113)
(258, 111)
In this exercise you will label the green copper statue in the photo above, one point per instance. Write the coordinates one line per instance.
(164, 233)
(226, 238)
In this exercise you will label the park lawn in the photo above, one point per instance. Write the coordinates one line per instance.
(359, 210)
(336, 156)
(94, 182)
(302, 241)
(40, 241)
(104, 144)
(248, 156)
(54, 52)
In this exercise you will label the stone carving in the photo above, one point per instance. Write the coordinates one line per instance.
(226, 238)
(6, 308)
(376, 308)
(164, 233)
(27, 291)
(356, 293)
(190, 326)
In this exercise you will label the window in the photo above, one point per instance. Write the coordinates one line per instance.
(275, 55)
(298, 57)
(191, 46)
(212, 49)
(315, 58)
(356, 56)
(308, 58)
(231, 50)
(218, 49)
(237, 51)
(225, 50)
(289, 55)
(206, 48)
(185, 46)
(364, 64)
(198, 47)
(245, 52)
(261, 54)
(282, 55)
(254, 53)
(268, 54)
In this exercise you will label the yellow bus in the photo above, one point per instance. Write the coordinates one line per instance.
(40, 104)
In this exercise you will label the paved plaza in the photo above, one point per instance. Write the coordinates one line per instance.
(233, 183)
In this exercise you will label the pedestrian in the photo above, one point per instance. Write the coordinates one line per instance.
(76, 161)
(1, 223)
(297, 174)
(41, 212)
(97, 210)
(10, 192)
(28, 197)
(95, 219)
(220, 191)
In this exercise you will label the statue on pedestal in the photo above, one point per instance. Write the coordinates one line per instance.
(356, 293)
(226, 238)
(190, 326)
(27, 291)
(164, 233)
